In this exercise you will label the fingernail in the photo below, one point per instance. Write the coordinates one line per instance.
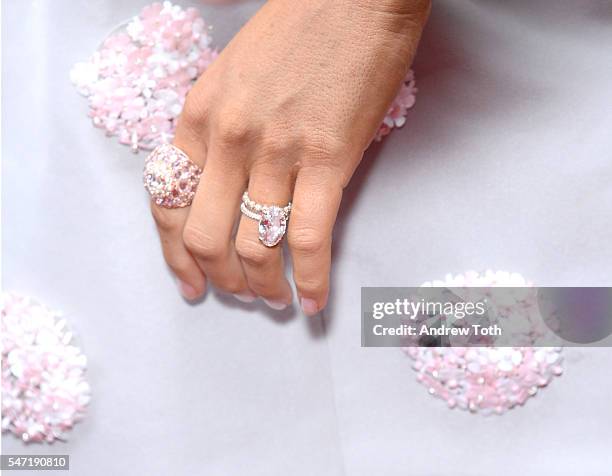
(188, 291)
(309, 306)
(245, 297)
(276, 305)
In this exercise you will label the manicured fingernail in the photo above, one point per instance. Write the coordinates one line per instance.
(309, 306)
(245, 297)
(188, 291)
(276, 305)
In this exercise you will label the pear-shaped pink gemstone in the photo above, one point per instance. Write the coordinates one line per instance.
(272, 225)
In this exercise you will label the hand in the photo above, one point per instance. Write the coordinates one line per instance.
(286, 111)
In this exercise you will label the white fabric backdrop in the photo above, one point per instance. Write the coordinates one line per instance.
(505, 162)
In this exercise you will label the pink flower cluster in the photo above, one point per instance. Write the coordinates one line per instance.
(396, 115)
(490, 379)
(44, 392)
(486, 380)
(137, 81)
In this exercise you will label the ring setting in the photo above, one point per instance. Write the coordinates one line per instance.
(170, 177)
(272, 219)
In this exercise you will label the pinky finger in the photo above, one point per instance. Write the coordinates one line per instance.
(316, 199)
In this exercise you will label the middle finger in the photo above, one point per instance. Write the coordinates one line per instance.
(209, 227)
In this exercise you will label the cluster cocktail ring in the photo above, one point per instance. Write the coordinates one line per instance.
(272, 219)
(170, 177)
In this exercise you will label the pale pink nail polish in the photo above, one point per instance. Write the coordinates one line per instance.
(245, 297)
(276, 305)
(188, 291)
(309, 306)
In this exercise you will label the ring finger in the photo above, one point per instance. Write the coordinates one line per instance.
(264, 266)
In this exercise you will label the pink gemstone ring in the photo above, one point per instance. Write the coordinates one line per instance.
(170, 177)
(272, 219)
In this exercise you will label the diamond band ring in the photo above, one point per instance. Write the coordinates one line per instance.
(272, 219)
(170, 177)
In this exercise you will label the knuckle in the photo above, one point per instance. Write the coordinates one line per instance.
(251, 252)
(307, 241)
(179, 267)
(229, 284)
(259, 286)
(275, 145)
(323, 146)
(231, 128)
(202, 244)
(163, 218)
(194, 113)
(312, 286)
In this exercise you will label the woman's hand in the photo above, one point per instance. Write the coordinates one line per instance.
(286, 111)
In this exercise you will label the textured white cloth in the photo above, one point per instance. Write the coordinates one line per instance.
(505, 162)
